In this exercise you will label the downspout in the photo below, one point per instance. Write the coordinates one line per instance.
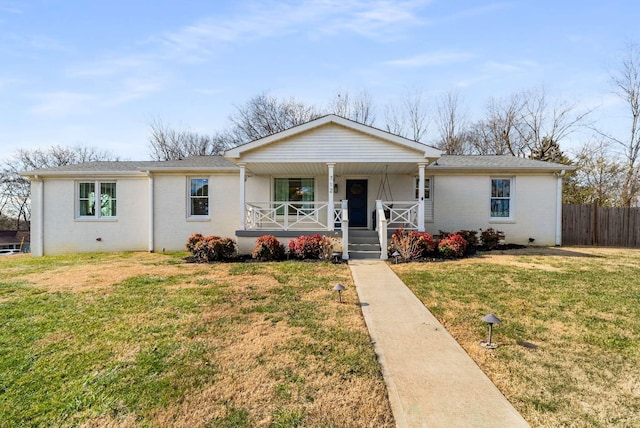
(559, 207)
(40, 216)
(151, 212)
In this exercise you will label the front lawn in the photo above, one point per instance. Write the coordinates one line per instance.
(138, 339)
(569, 350)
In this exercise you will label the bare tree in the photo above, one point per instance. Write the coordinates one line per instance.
(452, 124)
(167, 142)
(15, 190)
(498, 133)
(265, 115)
(542, 122)
(411, 118)
(626, 82)
(359, 107)
(525, 124)
(598, 178)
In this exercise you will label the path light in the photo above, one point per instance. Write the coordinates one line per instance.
(339, 288)
(335, 257)
(396, 254)
(491, 320)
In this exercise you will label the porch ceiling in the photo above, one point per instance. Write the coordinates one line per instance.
(320, 168)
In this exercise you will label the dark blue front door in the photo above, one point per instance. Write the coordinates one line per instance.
(357, 197)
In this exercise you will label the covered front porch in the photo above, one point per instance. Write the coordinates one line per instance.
(333, 199)
(331, 175)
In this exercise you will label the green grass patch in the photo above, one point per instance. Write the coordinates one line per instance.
(178, 347)
(570, 337)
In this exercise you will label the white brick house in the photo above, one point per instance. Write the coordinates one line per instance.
(330, 175)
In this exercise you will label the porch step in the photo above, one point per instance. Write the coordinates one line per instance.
(363, 244)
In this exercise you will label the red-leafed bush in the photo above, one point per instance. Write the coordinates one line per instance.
(211, 248)
(411, 244)
(311, 247)
(453, 246)
(491, 238)
(268, 248)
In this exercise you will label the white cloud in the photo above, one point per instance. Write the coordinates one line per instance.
(61, 103)
(133, 89)
(375, 19)
(36, 42)
(10, 7)
(109, 66)
(430, 59)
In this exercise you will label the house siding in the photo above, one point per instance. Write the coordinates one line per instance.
(172, 226)
(463, 202)
(333, 143)
(64, 233)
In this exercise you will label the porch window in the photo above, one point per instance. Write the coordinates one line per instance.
(97, 199)
(427, 187)
(199, 197)
(501, 189)
(294, 190)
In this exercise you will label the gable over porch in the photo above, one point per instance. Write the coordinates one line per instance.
(330, 174)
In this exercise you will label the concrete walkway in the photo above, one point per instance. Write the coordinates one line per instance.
(431, 380)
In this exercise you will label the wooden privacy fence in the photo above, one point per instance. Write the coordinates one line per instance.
(593, 225)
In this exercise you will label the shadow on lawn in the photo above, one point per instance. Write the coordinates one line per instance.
(545, 251)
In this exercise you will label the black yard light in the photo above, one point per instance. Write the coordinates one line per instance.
(396, 254)
(491, 320)
(335, 257)
(339, 288)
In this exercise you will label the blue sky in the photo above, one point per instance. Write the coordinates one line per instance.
(97, 72)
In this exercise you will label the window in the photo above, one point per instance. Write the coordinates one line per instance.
(199, 197)
(97, 199)
(501, 198)
(427, 187)
(293, 190)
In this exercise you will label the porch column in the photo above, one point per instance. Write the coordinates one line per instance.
(330, 209)
(242, 196)
(421, 197)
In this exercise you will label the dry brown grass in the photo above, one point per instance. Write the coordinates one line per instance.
(269, 370)
(569, 353)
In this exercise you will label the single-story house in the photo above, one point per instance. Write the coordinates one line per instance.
(12, 241)
(330, 175)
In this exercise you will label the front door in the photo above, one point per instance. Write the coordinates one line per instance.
(357, 197)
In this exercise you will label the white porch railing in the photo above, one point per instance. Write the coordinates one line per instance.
(401, 214)
(276, 215)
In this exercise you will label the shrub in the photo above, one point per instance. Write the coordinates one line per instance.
(444, 234)
(211, 248)
(193, 240)
(311, 247)
(454, 246)
(490, 238)
(268, 248)
(471, 236)
(411, 244)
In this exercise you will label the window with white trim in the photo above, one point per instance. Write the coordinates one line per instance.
(198, 197)
(293, 190)
(501, 191)
(427, 187)
(97, 199)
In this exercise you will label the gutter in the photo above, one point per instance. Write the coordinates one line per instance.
(151, 212)
(560, 175)
(40, 230)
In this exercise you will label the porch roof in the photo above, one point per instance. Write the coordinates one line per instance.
(352, 147)
(340, 168)
(378, 134)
